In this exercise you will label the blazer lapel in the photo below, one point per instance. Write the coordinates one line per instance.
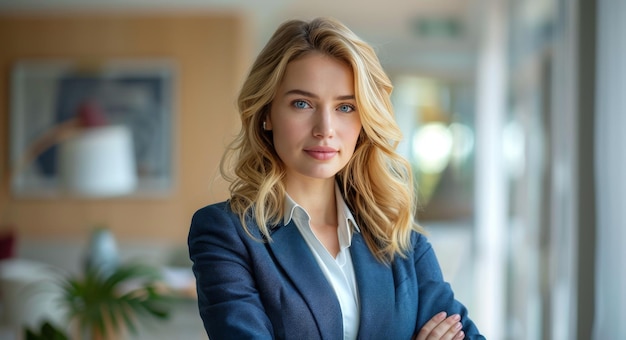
(294, 256)
(376, 290)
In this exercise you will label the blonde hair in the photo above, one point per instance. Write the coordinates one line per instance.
(377, 183)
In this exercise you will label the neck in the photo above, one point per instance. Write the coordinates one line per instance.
(318, 199)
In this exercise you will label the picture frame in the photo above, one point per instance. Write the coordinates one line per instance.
(137, 93)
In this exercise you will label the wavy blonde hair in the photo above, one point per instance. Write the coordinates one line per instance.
(377, 183)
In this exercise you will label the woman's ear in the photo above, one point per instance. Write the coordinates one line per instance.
(267, 124)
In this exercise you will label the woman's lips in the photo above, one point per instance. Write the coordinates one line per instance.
(321, 153)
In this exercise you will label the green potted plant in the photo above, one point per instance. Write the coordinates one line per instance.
(103, 305)
(108, 298)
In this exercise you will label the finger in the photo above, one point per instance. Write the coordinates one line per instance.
(447, 329)
(455, 331)
(430, 325)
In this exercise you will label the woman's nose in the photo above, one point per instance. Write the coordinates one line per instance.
(324, 123)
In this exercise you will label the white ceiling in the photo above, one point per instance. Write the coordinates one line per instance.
(389, 25)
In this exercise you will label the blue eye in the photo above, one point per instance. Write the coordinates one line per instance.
(346, 108)
(300, 104)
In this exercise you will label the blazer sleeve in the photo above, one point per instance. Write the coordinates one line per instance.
(229, 303)
(436, 295)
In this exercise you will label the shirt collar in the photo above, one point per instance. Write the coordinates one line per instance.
(346, 220)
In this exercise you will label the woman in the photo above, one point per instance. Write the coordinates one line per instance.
(317, 240)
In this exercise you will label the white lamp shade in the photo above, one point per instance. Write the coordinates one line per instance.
(99, 162)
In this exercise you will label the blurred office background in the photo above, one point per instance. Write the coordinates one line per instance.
(512, 113)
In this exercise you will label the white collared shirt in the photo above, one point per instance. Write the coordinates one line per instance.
(338, 271)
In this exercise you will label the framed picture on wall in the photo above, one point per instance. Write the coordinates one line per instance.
(45, 94)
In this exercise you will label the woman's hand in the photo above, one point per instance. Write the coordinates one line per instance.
(442, 328)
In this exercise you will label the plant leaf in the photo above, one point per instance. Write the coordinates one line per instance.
(104, 303)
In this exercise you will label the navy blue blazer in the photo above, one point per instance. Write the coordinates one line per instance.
(275, 290)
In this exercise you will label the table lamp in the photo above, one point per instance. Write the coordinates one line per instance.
(98, 162)
(96, 159)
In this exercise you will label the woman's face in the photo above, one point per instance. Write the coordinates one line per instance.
(314, 118)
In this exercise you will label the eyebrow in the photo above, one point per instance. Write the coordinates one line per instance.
(314, 96)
